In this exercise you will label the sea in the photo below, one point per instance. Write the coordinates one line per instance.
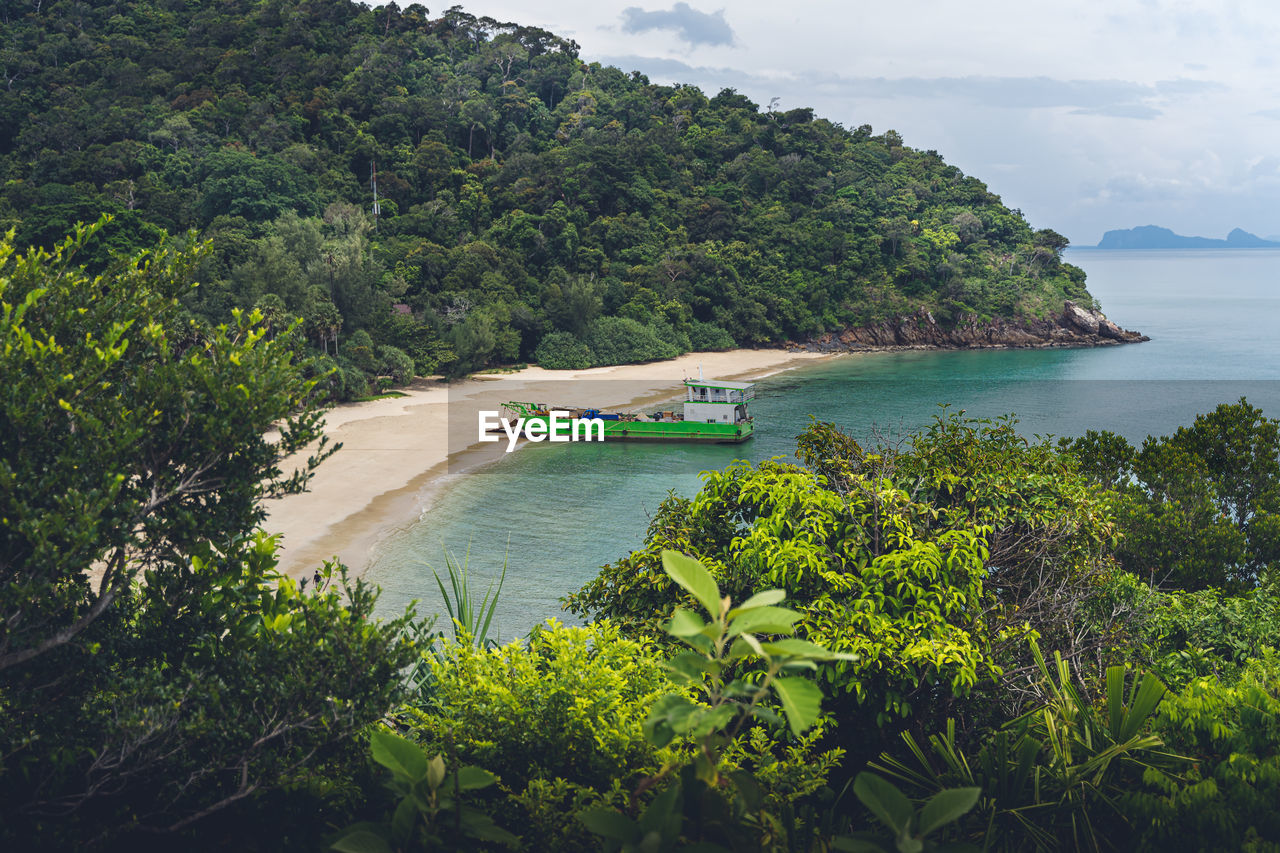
(550, 516)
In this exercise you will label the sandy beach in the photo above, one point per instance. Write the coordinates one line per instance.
(396, 452)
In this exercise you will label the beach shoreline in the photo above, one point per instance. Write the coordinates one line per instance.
(396, 459)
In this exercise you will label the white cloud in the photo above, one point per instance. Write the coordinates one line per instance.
(687, 23)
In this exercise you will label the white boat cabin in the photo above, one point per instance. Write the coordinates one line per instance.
(717, 401)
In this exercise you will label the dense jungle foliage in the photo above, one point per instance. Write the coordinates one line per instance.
(532, 206)
(965, 639)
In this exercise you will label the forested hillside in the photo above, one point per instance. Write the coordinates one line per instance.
(532, 206)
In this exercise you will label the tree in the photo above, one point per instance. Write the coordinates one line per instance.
(1199, 508)
(154, 668)
(572, 305)
(473, 341)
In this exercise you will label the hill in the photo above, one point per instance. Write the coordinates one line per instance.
(532, 205)
(1155, 237)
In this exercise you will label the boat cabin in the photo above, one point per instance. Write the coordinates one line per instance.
(717, 401)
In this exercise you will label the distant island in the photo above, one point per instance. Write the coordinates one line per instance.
(1155, 237)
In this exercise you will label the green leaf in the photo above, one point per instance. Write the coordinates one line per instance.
(884, 800)
(750, 642)
(801, 701)
(764, 620)
(694, 577)
(1150, 692)
(690, 666)
(661, 816)
(477, 824)
(403, 819)
(705, 724)
(473, 778)
(760, 599)
(798, 648)
(610, 824)
(361, 841)
(945, 807)
(748, 789)
(669, 716)
(760, 712)
(435, 772)
(1146, 699)
(402, 757)
(1115, 700)
(685, 623)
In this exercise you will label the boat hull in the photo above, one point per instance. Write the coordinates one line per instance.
(683, 431)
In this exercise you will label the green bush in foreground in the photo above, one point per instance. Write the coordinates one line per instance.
(1053, 777)
(929, 562)
(557, 718)
(736, 674)
(1227, 799)
(568, 703)
(432, 812)
(155, 668)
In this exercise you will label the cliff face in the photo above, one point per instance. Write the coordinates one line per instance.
(1074, 327)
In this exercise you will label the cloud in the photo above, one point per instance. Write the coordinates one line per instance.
(1111, 98)
(1141, 111)
(689, 24)
(1139, 188)
(1266, 167)
(1186, 86)
(667, 69)
(1119, 98)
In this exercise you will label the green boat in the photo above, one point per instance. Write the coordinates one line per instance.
(714, 410)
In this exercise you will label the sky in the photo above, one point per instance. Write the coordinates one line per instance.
(1086, 115)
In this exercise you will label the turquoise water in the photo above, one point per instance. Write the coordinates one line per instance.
(557, 513)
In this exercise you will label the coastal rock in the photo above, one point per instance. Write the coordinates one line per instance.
(1108, 329)
(1082, 319)
(1076, 326)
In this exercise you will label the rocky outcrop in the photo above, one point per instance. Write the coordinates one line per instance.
(1076, 326)
(1085, 321)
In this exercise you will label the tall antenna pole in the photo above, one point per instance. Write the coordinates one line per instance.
(373, 180)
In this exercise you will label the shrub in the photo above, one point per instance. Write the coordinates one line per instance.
(1050, 779)
(733, 672)
(329, 375)
(621, 340)
(559, 718)
(567, 703)
(396, 363)
(350, 381)
(1192, 634)
(669, 334)
(1227, 799)
(927, 563)
(562, 351)
(706, 337)
(358, 349)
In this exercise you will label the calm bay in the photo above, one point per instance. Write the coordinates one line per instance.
(555, 514)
